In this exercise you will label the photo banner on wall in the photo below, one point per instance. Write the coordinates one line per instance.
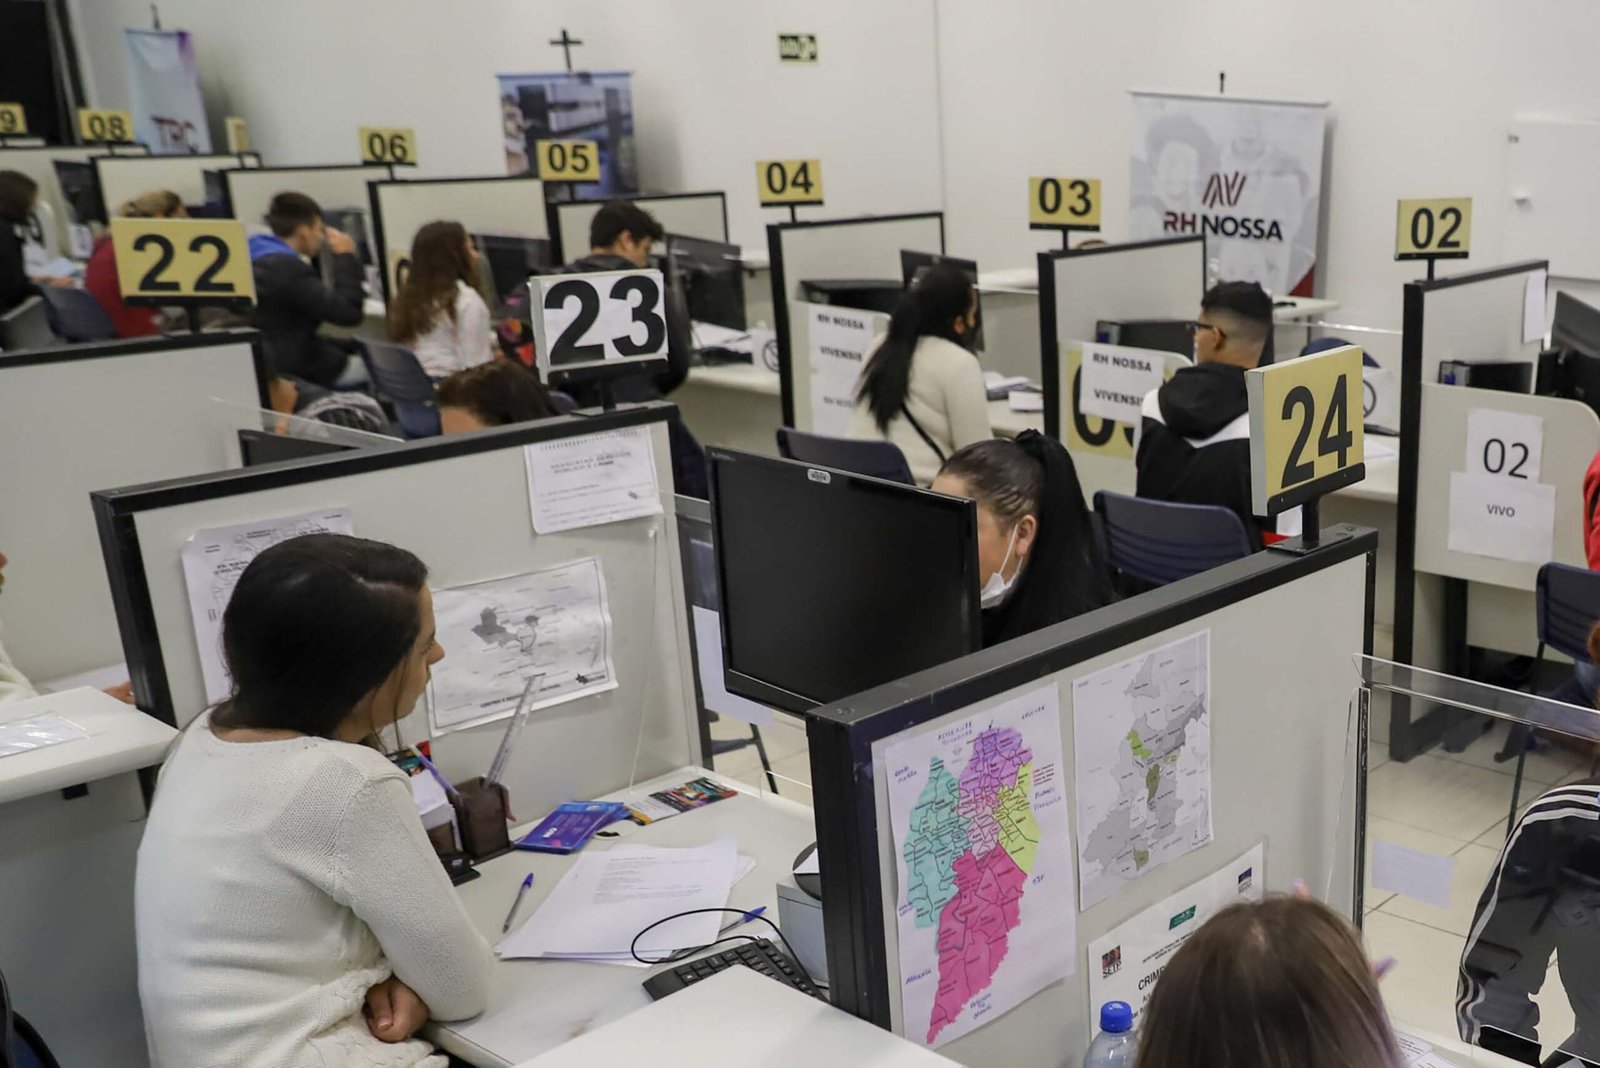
(584, 106)
(1247, 174)
(169, 113)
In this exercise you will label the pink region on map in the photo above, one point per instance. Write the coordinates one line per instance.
(973, 929)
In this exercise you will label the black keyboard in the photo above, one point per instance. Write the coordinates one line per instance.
(761, 955)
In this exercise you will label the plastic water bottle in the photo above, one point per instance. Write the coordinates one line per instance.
(1113, 1047)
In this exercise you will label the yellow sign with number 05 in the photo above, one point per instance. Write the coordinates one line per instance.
(1064, 203)
(568, 161)
(1305, 428)
(13, 119)
(1437, 229)
(388, 144)
(182, 260)
(102, 126)
(789, 181)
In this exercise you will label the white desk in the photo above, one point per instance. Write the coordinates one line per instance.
(737, 405)
(1372, 503)
(536, 1005)
(1008, 424)
(739, 1017)
(121, 739)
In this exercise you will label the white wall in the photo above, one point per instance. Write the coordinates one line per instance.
(710, 97)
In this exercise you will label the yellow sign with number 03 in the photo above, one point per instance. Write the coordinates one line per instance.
(182, 260)
(568, 161)
(1064, 203)
(13, 119)
(388, 144)
(104, 126)
(1305, 428)
(238, 134)
(789, 181)
(1433, 229)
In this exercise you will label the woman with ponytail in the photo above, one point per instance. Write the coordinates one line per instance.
(100, 276)
(922, 388)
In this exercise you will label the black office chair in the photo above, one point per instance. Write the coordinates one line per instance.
(1158, 542)
(75, 315)
(20, 1044)
(27, 326)
(876, 459)
(398, 378)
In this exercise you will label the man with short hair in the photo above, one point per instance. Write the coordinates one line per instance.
(292, 300)
(1194, 444)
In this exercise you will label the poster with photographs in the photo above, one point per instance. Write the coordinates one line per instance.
(581, 106)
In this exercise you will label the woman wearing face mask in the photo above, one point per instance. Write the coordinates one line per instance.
(289, 909)
(1036, 548)
(922, 389)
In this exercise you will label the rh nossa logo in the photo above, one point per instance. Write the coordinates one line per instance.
(1223, 191)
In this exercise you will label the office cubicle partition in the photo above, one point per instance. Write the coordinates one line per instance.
(39, 164)
(124, 177)
(510, 205)
(77, 418)
(337, 185)
(1287, 766)
(702, 215)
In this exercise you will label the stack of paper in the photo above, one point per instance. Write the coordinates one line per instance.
(602, 904)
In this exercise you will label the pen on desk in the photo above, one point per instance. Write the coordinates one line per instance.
(742, 920)
(522, 892)
(438, 775)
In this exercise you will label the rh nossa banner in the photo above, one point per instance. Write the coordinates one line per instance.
(1245, 173)
(169, 113)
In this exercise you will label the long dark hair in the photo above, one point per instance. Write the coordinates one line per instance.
(940, 295)
(17, 191)
(1064, 576)
(438, 261)
(315, 624)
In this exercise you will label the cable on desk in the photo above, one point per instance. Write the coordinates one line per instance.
(681, 954)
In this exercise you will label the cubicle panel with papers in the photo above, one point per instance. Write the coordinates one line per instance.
(123, 177)
(81, 417)
(335, 186)
(991, 831)
(39, 164)
(702, 215)
(615, 677)
(510, 206)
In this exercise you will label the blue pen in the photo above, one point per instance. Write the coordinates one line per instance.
(522, 893)
(742, 920)
(437, 774)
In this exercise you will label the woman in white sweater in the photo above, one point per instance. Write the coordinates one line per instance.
(290, 910)
(437, 312)
(922, 388)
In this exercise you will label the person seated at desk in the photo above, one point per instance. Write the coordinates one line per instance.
(18, 194)
(346, 408)
(289, 909)
(493, 394)
(922, 388)
(1036, 547)
(100, 276)
(1194, 443)
(437, 312)
(292, 300)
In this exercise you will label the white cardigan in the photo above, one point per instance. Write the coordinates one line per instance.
(947, 399)
(277, 883)
(451, 346)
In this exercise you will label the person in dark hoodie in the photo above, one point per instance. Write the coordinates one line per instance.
(1194, 443)
(292, 300)
(1036, 548)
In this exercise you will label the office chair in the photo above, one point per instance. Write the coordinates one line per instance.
(875, 459)
(27, 326)
(1566, 608)
(1160, 542)
(75, 315)
(20, 1044)
(399, 379)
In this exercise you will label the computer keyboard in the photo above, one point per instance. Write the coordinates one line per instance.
(761, 955)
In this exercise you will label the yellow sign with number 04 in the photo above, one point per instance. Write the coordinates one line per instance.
(13, 119)
(568, 161)
(388, 144)
(1064, 203)
(1305, 428)
(182, 260)
(104, 125)
(1437, 229)
(789, 181)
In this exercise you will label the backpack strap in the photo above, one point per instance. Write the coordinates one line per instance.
(927, 439)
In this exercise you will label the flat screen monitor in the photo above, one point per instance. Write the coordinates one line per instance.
(1162, 335)
(863, 294)
(834, 583)
(505, 263)
(913, 264)
(1576, 327)
(353, 221)
(709, 275)
(263, 447)
(80, 188)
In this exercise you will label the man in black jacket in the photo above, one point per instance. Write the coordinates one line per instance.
(292, 300)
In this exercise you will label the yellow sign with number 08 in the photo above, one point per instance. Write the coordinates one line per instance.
(102, 126)
(1305, 428)
(182, 261)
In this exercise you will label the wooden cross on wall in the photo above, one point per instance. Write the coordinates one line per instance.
(566, 43)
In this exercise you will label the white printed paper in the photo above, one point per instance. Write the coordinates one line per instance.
(1142, 734)
(498, 634)
(1533, 306)
(840, 340)
(1412, 872)
(983, 865)
(708, 662)
(1506, 444)
(37, 732)
(214, 559)
(1419, 1054)
(1124, 963)
(1115, 379)
(1504, 518)
(1025, 400)
(592, 479)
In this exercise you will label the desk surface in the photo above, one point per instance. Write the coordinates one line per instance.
(1382, 483)
(1008, 424)
(745, 377)
(536, 1005)
(121, 739)
(1013, 279)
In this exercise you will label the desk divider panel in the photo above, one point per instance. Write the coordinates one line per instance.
(461, 504)
(1288, 769)
(77, 418)
(336, 185)
(702, 215)
(39, 164)
(511, 205)
(124, 177)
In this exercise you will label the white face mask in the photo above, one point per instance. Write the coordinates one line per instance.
(997, 589)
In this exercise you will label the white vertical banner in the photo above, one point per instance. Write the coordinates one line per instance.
(840, 339)
(1247, 174)
(169, 113)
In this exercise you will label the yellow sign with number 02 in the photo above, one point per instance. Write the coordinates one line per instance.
(103, 126)
(568, 161)
(789, 181)
(163, 261)
(1305, 428)
(388, 144)
(1064, 203)
(13, 119)
(1433, 229)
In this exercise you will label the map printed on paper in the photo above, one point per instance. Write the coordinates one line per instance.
(1142, 736)
(984, 863)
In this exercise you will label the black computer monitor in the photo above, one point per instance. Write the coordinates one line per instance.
(508, 263)
(912, 264)
(863, 294)
(1162, 335)
(353, 221)
(709, 275)
(1576, 327)
(264, 447)
(80, 187)
(834, 583)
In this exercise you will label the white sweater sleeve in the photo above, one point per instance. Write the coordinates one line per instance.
(14, 685)
(967, 405)
(474, 336)
(389, 875)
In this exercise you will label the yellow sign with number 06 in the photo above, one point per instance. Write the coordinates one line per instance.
(568, 161)
(13, 119)
(388, 144)
(1064, 203)
(1305, 428)
(789, 181)
(163, 261)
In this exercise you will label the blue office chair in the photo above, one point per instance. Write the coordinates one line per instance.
(27, 326)
(876, 459)
(1160, 542)
(20, 1044)
(75, 315)
(399, 379)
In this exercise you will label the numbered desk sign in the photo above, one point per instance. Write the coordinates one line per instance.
(568, 161)
(1305, 428)
(1433, 229)
(789, 181)
(104, 126)
(183, 262)
(1064, 203)
(1105, 389)
(238, 134)
(388, 144)
(13, 120)
(588, 322)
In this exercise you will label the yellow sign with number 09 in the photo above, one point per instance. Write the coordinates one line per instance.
(789, 181)
(1305, 428)
(568, 161)
(1064, 203)
(190, 261)
(13, 119)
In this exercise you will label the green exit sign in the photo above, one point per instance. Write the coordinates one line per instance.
(797, 48)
